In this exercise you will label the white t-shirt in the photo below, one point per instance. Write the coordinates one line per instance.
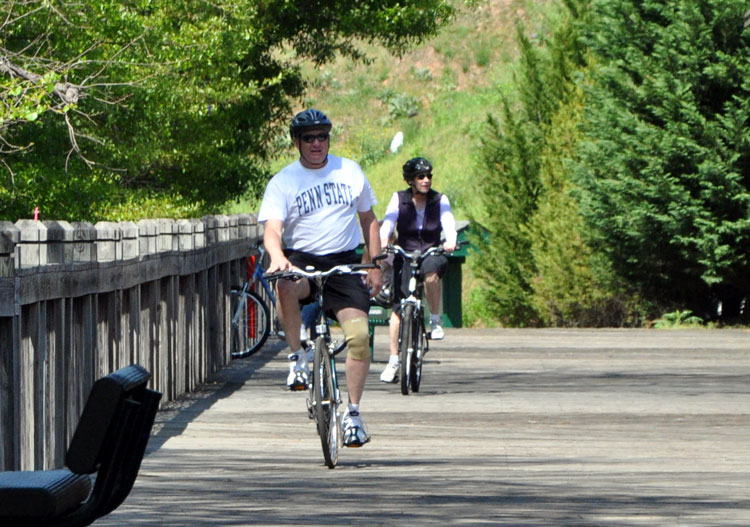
(319, 206)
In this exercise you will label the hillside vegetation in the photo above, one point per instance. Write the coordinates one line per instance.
(438, 95)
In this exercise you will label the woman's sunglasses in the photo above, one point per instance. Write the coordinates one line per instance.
(423, 175)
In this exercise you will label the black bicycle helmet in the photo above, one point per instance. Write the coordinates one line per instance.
(310, 118)
(415, 166)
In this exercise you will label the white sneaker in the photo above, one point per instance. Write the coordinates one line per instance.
(436, 331)
(298, 373)
(390, 373)
(355, 433)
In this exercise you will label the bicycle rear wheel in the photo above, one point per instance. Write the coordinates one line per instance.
(406, 347)
(325, 403)
(251, 325)
(420, 345)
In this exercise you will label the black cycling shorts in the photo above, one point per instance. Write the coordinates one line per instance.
(340, 290)
(435, 263)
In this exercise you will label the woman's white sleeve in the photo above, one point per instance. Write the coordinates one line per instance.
(447, 221)
(390, 218)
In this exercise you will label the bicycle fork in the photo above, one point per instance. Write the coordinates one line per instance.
(333, 349)
(317, 382)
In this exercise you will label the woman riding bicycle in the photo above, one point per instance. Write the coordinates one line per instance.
(418, 214)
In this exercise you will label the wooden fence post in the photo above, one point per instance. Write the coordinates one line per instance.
(9, 348)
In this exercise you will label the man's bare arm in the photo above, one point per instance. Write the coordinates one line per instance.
(371, 233)
(272, 241)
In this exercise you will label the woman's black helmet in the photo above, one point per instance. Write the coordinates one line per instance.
(415, 166)
(310, 118)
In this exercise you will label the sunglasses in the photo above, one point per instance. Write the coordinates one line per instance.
(423, 175)
(310, 138)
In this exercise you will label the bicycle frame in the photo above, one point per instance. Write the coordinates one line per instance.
(257, 277)
(416, 286)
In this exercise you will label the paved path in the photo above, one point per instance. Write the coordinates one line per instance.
(511, 428)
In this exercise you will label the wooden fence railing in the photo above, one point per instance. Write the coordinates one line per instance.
(78, 301)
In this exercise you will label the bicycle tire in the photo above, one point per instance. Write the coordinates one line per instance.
(420, 341)
(406, 347)
(252, 327)
(325, 403)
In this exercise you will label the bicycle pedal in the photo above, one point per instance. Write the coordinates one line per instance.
(310, 412)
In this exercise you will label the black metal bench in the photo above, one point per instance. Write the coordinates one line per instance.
(109, 441)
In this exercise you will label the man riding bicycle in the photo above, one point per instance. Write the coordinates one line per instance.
(418, 214)
(310, 210)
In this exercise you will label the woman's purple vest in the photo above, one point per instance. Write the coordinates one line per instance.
(410, 238)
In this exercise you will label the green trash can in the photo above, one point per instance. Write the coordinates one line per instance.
(452, 279)
(378, 316)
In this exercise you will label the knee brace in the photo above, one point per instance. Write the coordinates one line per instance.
(357, 332)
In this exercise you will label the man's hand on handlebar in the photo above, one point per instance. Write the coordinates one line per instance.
(374, 280)
(279, 264)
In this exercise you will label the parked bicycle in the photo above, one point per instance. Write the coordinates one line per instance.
(413, 338)
(252, 321)
(324, 397)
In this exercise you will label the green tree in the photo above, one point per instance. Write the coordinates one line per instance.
(106, 103)
(665, 167)
(510, 158)
(536, 265)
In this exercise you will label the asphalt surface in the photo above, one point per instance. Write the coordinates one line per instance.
(511, 428)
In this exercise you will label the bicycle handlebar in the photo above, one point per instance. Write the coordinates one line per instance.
(438, 249)
(339, 269)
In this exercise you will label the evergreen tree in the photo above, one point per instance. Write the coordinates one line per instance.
(510, 158)
(535, 263)
(665, 167)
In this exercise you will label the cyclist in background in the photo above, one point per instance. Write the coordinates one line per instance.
(311, 208)
(418, 214)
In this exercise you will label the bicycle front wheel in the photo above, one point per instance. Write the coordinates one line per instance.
(325, 402)
(251, 325)
(406, 347)
(420, 346)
